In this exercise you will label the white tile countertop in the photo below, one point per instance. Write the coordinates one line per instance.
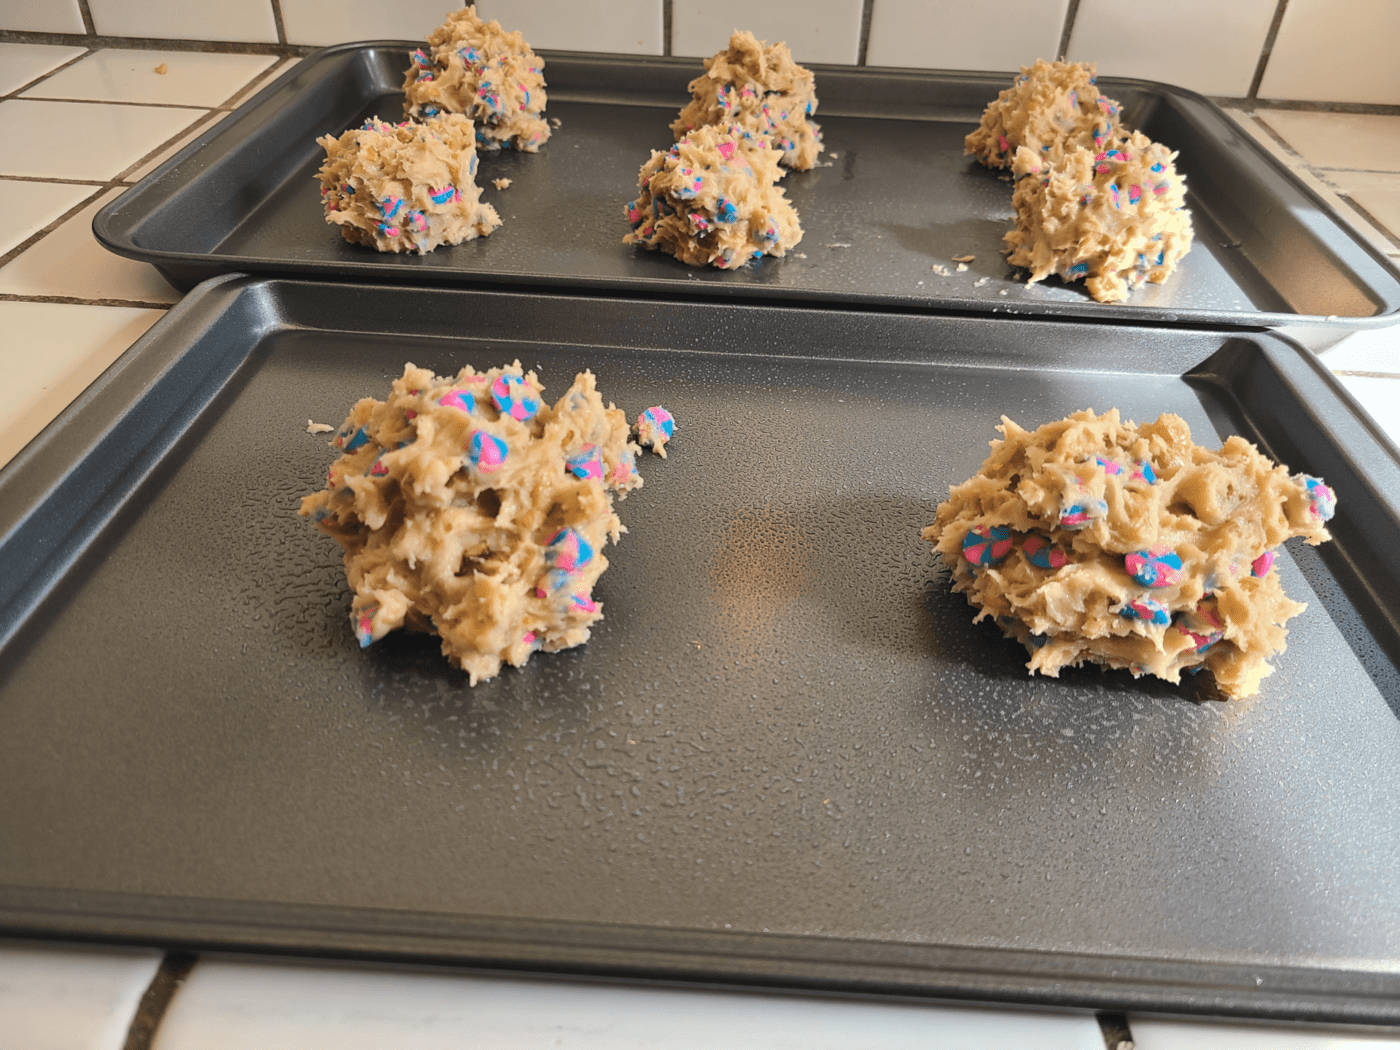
(80, 125)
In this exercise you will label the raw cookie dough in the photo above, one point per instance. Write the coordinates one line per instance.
(469, 507)
(1053, 108)
(713, 198)
(1115, 218)
(763, 91)
(477, 68)
(1130, 546)
(405, 187)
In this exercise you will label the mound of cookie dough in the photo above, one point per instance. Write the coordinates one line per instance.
(762, 90)
(469, 507)
(1114, 219)
(713, 198)
(478, 69)
(1091, 539)
(405, 187)
(1053, 107)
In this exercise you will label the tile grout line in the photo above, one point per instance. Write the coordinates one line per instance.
(113, 102)
(160, 993)
(1067, 30)
(1362, 374)
(278, 22)
(45, 76)
(85, 10)
(1115, 1031)
(151, 43)
(867, 15)
(1266, 51)
(77, 300)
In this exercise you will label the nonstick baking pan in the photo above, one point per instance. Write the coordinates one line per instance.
(895, 197)
(786, 758)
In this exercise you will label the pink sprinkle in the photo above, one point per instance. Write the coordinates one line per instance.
(529, 638)
(726, 150)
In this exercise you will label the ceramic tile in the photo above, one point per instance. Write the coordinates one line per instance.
(1368, 351)
(338, 21)
(21, 63)
(139, 172)
(1191, 1035)
(83, 140)
(258, 83)
(54, 998)
(33, 205)
(1203, 45)
(631, 27)
(1379, 194)
(1335, 51)
(191, 78)
(42, 16)
(243, 20)
(69, 262)
(234, 1005)
(964, 34)
(814, 30)
(1368, 141)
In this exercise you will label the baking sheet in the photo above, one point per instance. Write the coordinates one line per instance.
(786, 758)
(894, 197)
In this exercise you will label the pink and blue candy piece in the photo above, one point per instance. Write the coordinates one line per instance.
(486, 451)
(1083, 513)
(1261, 565)
(1321, 497)
(1039, 551)
(1146, 610)
(458, 399)
(364, 625)
(1158, 567)
(515, 398)
(987, 544)
(655, 427)
(566, 554)
(586, 464)
(1202, 625)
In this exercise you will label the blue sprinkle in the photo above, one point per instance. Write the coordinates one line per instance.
(725, 211)
(1080, 267)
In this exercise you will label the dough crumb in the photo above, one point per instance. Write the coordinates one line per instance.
(941, 270)
(655, 427)
(556, 122)
(1091, 539)
(405, 187)
(468, 507)
(963, 258)
(479, 70)
(763, 91)
(713, 198)
(962, 267)
(839, 244)
(318, 428)
(162, 69)
(981, 282)
(500, 184)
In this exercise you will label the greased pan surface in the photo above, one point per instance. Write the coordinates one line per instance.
(786, 757)
(897, 198)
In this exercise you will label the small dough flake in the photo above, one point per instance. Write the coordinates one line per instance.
(468, 507)
(161, 69)
(713, 198)
(1130, 546)
(313, 427)
(1053, 108)
(405, 187)
(500, 184)
(1114, 219)
(477, 69)
(762, 90)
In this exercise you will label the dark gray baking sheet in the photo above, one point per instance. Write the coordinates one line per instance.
(898, 197)
(786, 758)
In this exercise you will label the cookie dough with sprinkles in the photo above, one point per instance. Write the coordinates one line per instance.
(762, 90)
(405, 187)
(1095, 540)
(713, 199)
(1115, 219)
(478, 69)
(1051, 109)
(469, 507)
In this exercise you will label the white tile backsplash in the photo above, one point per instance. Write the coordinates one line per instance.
(83, 140)
(21, 63)
(245, 20)
(630, 27)
(1205, 45)
(30, 206)
(1379, 194)
(1156, 1034)
(965, 34)
(190, 78)
(1336, 51)
(322, 22)
(59, 998)
(1364, 141)
(814, 30)
(42, 16)
(234, 1005)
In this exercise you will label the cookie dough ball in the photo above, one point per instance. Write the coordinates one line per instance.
(469, 507)
(1091, 539)
(762, 90)
(1052, 108)
(478, 69)
(1114, 219)
(405, 187)
(713, 198)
